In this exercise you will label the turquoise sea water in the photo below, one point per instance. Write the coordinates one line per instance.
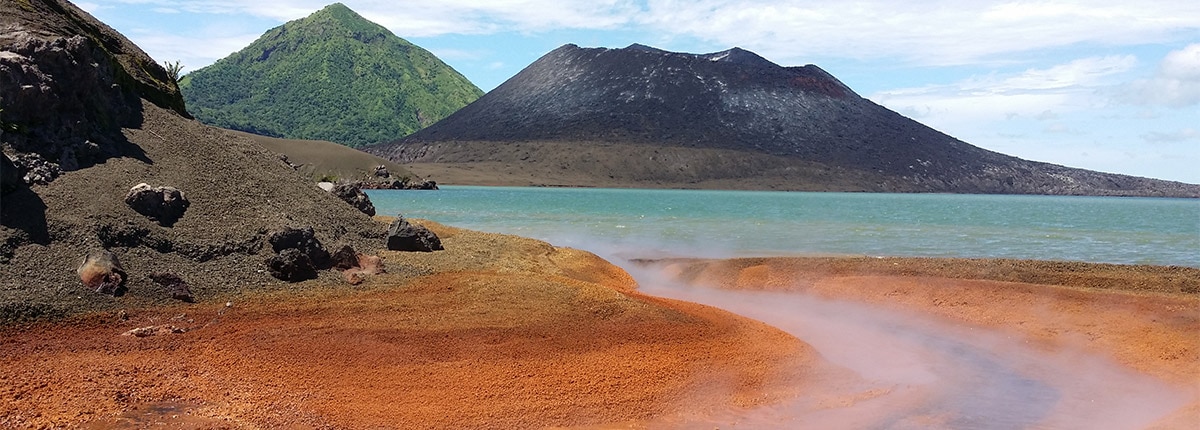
(654, 223)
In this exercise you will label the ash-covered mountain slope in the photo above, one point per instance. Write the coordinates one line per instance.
(86, 117)
(725, 119)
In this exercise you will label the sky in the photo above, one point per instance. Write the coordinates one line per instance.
(1107, 85)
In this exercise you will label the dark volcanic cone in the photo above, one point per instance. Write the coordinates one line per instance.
(729, 119)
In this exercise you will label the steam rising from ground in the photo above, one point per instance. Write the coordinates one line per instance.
(913, 370)
(917, 371)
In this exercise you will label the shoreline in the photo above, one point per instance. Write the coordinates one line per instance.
(1138, 278)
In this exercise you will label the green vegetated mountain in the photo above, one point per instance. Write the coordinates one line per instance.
(331, 76)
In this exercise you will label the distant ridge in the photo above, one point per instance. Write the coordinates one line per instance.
(331, 76)
(644, 117)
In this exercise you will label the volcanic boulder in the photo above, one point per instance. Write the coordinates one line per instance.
(291, 265)
(352, 193)
(302, 239)
(102, 272)
(163, 204)
(404, 236)
(298, 254)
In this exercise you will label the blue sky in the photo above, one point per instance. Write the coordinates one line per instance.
(1109, 85)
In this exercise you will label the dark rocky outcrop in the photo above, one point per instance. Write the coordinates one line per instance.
(302, 239)
(292, 265)
(397, 184)
(70, 84)
(405, 236)
(648, 117)
(162, 204)
(10, 176)
(351, 192)
(102, 272)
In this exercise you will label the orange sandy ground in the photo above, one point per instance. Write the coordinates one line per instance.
(504, 332)
(1154, 333)
(495, 332)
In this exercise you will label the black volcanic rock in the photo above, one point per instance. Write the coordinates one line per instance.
(748, 114)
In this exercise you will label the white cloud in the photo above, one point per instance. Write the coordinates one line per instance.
(933, 32)
(1041, 94)
(1057, 127)
(193, 55)
(426, 18)
(1183, 64)
(1182, 135)
(1046, 115)
(936, 32)
(1176, 83)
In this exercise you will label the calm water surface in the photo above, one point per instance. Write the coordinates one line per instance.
(650, 223)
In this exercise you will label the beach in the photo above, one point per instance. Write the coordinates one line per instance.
(499, 331)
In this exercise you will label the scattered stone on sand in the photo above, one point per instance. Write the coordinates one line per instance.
(382, 171)
(404, 236)
(162, 204)
(324, 185)
(102, 272)
(37, 169)
(154, 330)
(176, 286)
(351, 192)
(291, 265)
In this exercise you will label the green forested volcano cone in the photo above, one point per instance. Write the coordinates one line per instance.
(331, 76)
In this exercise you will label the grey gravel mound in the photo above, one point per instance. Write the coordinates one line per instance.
(238, 192)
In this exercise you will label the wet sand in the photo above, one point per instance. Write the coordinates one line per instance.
(505, 332)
